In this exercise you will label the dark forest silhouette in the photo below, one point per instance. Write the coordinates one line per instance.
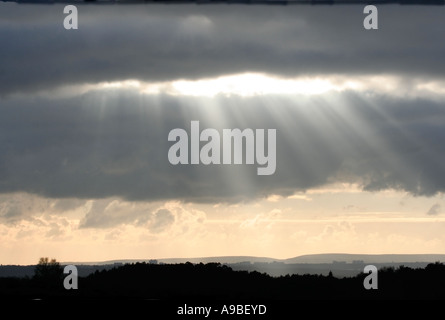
(216, 281)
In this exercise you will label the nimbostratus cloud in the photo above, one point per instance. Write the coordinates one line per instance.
(115, 143)
(111, 140)
(163, 43)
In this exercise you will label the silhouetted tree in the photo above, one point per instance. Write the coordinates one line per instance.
(48, 273)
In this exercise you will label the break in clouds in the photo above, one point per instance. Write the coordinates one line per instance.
(112, 142)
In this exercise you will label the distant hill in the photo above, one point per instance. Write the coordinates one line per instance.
(222, 259)
(310, 258)
(366, 258)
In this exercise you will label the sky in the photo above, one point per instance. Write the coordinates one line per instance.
(86, 114)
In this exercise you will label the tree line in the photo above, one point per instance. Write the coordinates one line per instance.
(217, 281)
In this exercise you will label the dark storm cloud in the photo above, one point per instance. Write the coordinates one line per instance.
(114, 143)
(157, 43)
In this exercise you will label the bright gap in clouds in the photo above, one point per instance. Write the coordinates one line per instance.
(256, 84)
(245, 84)
(251, 84)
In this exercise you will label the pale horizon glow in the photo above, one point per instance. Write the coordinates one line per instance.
(281, 229)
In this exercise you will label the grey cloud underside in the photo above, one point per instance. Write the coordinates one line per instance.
(109, 213)
(158, 43)
(114, 143)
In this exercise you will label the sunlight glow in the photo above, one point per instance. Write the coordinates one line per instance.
(257, 84)
(251, 84)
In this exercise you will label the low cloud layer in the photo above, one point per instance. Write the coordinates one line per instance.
(161, 43)
(109, 143)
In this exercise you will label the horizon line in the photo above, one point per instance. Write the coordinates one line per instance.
(254, 257)
(264, 258)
